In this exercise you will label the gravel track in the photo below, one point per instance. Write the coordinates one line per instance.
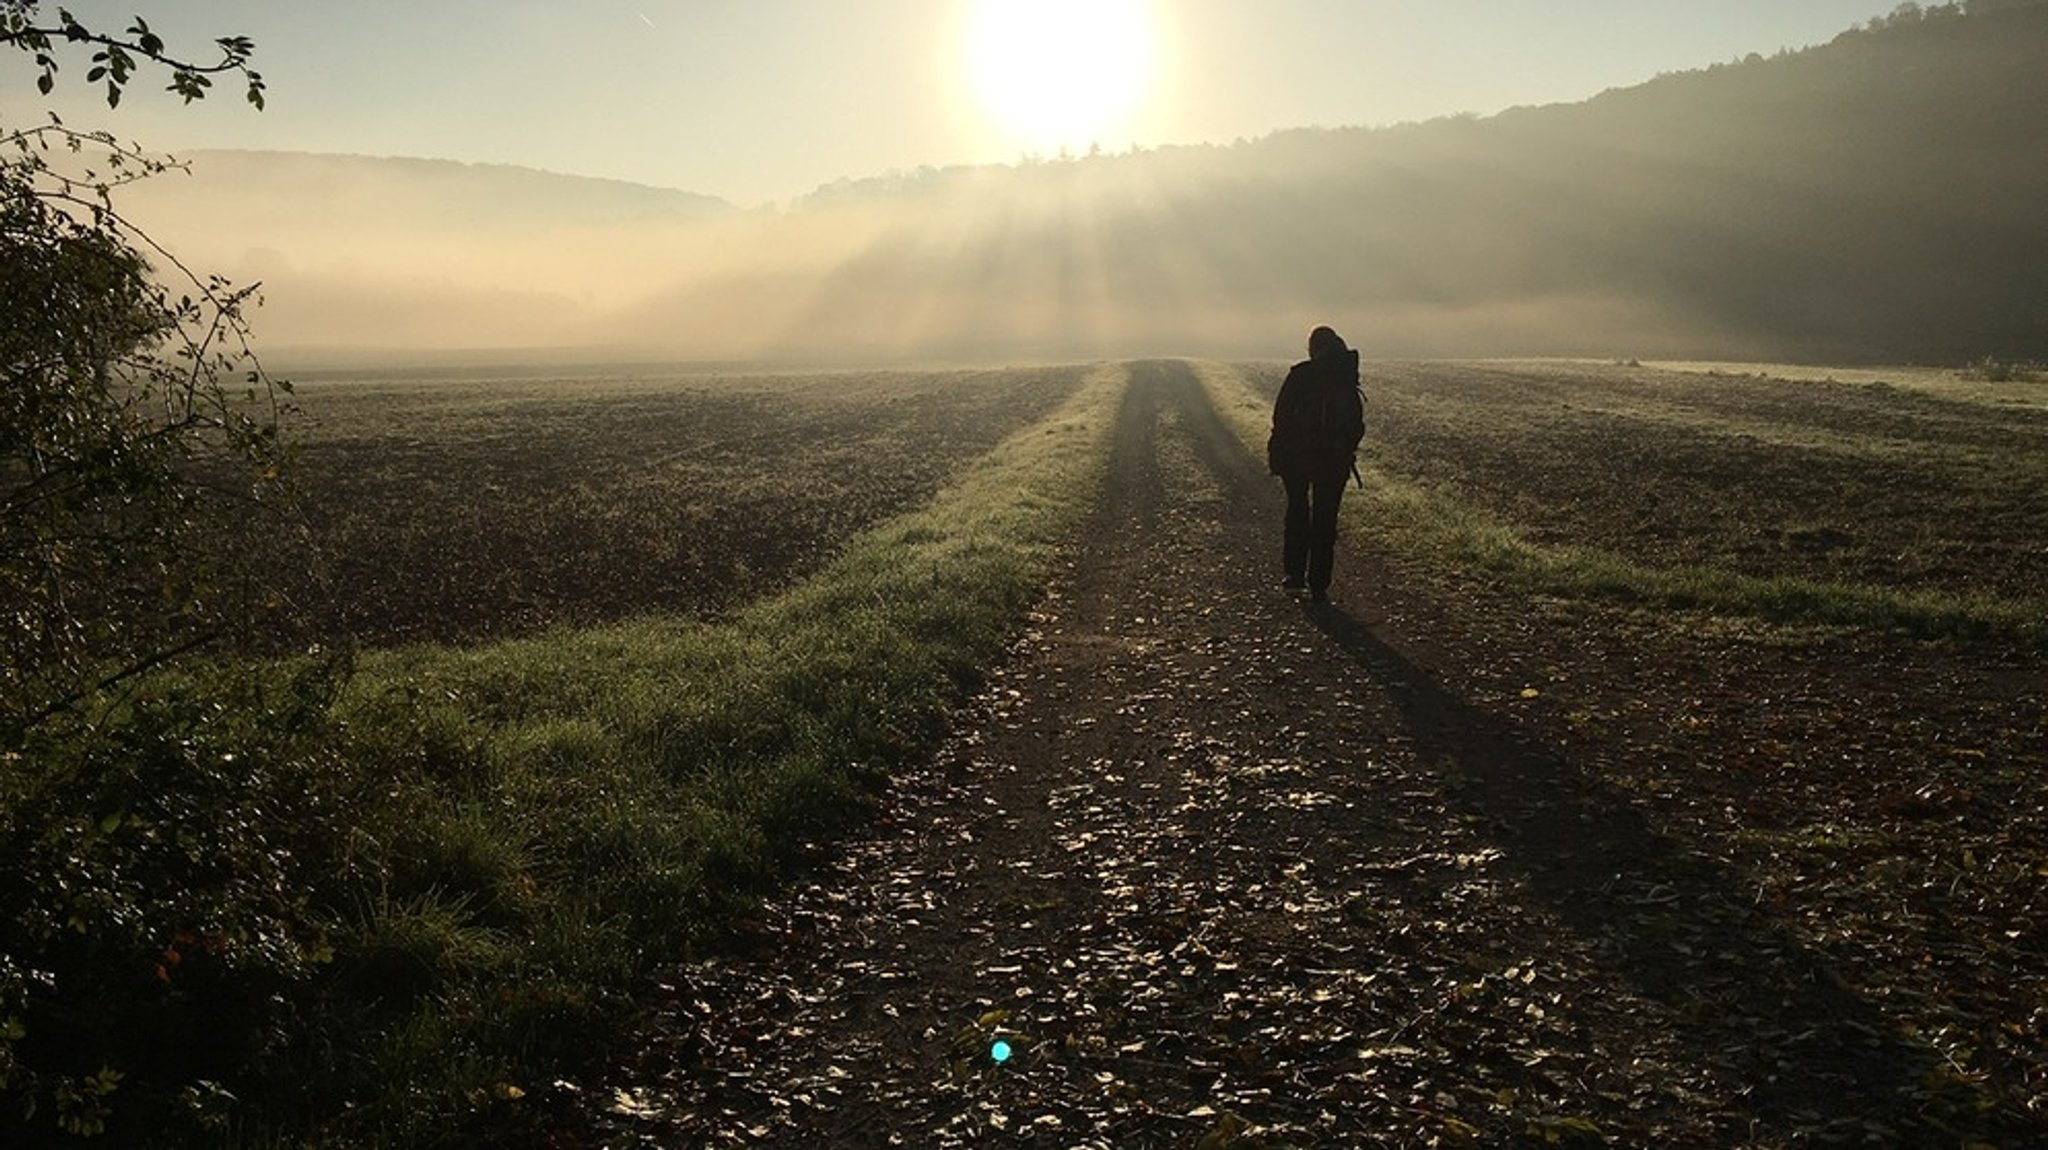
(1226, 869)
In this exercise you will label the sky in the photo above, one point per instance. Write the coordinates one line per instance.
(761, 101)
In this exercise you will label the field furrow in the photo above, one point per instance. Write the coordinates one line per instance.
(1920, 490)
(472, 508)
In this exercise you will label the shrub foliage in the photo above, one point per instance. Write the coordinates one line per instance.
(163, 823)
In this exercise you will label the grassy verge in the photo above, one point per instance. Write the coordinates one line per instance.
(387, 905)
(1434, 525)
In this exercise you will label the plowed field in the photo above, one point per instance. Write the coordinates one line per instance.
(1929, 489)
(462, 508)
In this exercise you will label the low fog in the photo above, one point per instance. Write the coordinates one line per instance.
(1873, 199)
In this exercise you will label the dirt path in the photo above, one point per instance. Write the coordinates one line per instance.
(1225, 869)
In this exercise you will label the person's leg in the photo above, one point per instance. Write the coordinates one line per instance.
(1324, 499)
(1294, 548)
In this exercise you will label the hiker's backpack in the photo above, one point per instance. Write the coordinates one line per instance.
(1318, 432)
(1340, 414)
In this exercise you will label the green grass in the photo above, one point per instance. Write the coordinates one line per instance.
(645, 781)
(1433, 524)
(469, 854)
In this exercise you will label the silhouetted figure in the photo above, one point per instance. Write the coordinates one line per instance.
(1318, 420)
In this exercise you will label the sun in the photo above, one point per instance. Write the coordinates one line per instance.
(1060, 74)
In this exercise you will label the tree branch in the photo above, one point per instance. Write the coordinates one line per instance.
(118, 55)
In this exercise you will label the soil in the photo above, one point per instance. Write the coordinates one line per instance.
(1868, 484)
(1429, 865)
(463, 511)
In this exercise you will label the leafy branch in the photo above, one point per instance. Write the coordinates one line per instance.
(118, 58)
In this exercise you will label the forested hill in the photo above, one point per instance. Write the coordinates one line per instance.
(343, 190)
(1884, 196)
(1877, 198)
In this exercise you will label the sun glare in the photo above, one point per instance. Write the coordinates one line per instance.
(1053, 74)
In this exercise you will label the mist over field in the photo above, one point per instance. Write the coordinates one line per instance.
(1876, 198)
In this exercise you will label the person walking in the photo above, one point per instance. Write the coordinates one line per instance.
(1318, 420)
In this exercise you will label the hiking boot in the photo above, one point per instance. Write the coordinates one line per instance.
(1294, 583)
(1318, 595)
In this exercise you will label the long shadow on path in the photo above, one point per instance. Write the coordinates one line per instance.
(1763, 1014)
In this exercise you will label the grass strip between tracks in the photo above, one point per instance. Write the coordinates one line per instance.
(629, 789)
(1430, 524)
(390, 902)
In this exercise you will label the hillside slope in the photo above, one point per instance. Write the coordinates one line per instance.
(1876, 198)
